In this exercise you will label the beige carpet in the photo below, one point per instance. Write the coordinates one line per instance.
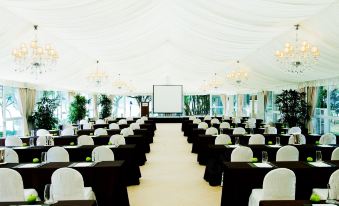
(171, 175)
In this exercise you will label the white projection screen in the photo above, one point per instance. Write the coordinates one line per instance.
(167, 98)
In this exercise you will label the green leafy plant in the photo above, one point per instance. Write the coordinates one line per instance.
(293, 108)
(43, 115)
(77, 110)
(106, 106)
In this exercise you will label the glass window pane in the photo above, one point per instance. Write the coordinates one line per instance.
(14, 128)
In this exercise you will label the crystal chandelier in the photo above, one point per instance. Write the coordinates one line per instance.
(238, 76)
(299, 57)
(98, 77)
(215, 83)
(34, 57)
(120, 84)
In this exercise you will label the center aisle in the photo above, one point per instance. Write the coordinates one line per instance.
(172, 175)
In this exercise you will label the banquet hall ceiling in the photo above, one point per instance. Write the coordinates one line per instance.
(169, 41)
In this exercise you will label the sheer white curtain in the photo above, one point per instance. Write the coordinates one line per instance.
(240, 104)
(27, 103)
(95, 106)
(224, 102)
(311, 101)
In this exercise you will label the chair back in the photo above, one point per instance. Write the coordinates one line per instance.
(134, 126)
(100, 121)
(87, 126)
(191, 118)
(335, 154)
(239, 130)
(215, 121)
(67, 132)
(287, 153)
(236, 120)
(100, 131)
(85, 140)
(12, 187)
(328, 138)
(117, 140)
(122, 121)
(197, 121)
(334, 185)
(102, 153)
(42, 132)
(302, 139)
(129, 119)
(207, 117)
(67, 184)
(45, 140)
(13, 141)
(257, 139)
(57, 154)
(241, 154)
(211, 131)
(113, 126)
(11, 156)
(144, 118)
(225, 125)
(140, 121)
(222, 139)
(271, 130)
(83, 121)
(294, 130)
(203, 125)
(279, 184)
(127, 132)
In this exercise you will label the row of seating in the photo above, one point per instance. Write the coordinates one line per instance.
(82, 140)
(285, 153)
(66, 184)
(280, 184)
(88, 125)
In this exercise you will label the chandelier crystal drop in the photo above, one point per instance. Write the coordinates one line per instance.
(98, 77)
(299, 57)
(34, 57)
(238, 77)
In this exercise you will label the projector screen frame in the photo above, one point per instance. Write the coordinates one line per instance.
(182, 98)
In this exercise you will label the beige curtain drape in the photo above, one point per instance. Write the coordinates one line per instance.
(253, 108)
(27, 103)
(240, 104)
(311, 101)
(112, 99)
(95, 106)
(224, 102)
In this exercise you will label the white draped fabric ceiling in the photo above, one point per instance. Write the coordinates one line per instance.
(169, 41)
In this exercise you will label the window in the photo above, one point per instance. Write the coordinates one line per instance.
(217, 108)
(196, 104)
(10, 117)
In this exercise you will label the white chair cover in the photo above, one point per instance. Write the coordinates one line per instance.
(100, 121)
(57, 154)
(294, 130)
(225, 117)
(100, 131)
(85, 140)
(83, 121)
(211, 131)
(236, 120)
(197, 121)
(140, 121)
(191, 118)
(272, 130)
(67, 132)
(239, 130)
(225, 125)
(87, 126)
(334, 188)
(12, 187)
(102, 153)
(117, 139)
(215, 121)
(207, 117)
(144, 118)
(328, 138)
(113, 126)
(302, 139)
(11, 156)
(68, 184)
(134, 126)
(222, 139)
(279, 184)
(287, 153)
(241, 154)
(122, 121)
(129, 119)
(256, 139)
(251, 122)
(335, 154)
(126, 132)
(13, 141)
(42, 141)
(203, 125)
(42, 132)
